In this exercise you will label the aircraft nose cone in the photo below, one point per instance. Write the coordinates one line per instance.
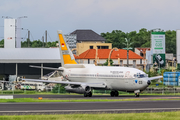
(148, 82)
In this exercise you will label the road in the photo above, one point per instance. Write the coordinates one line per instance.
(89, 107)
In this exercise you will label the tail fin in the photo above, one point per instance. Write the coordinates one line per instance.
(65, 53)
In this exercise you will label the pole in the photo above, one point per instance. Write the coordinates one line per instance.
(58, 88)
(41, 70)
(28, 38)
(46, 37)
(127, 57)
(16, 69)
(43, 40)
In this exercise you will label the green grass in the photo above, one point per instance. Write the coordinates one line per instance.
(123, 116)
(29, 92)
(20, 100)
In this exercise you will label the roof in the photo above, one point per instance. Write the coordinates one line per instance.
(29, 55)
(143, 49)
(104, 54)
(88, 35)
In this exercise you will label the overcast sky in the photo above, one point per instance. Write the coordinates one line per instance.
(98, 15)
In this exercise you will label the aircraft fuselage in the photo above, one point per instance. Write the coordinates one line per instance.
(115, 78)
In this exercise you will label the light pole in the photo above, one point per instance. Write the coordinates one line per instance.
(128, 44)
(110, 55)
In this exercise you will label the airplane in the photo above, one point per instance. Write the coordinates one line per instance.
(83, 78)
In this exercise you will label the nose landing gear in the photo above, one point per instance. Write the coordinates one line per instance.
(137, 93)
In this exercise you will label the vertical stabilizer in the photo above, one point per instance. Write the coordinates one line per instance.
(65, 53)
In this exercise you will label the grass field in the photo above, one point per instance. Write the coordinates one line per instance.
(20, 100)
(21, 92)
(123, 116)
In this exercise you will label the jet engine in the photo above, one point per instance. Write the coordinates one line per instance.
(148, 82)
(80, 89)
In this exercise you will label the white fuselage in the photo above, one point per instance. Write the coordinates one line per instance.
(115, 78)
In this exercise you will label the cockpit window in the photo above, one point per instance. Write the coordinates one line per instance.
(139, 75)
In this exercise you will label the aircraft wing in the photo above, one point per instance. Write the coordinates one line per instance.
(153, 78)
(48, 68)
(93, 85)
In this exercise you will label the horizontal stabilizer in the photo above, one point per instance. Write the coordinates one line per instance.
(154, 78)
(48, 68)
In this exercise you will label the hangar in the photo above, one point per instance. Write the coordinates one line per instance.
(16, 61)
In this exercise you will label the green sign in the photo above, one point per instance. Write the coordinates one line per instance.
(158, 48)
(158, 42)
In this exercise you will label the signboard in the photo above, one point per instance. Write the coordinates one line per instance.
(159, 59)
(158, 42)
(158, 48)
(177, 46)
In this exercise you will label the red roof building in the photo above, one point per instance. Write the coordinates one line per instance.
(119, 57)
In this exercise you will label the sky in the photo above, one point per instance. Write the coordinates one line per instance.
(100, 16)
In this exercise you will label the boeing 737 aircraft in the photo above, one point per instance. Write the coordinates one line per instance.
(83, 78)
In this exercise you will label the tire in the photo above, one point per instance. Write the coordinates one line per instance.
(112, 93)
(85, 94)
(116, 93)
(136, 94)
(90, 94)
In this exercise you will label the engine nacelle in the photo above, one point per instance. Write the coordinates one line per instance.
(80, 90)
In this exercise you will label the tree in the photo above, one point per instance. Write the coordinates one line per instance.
(106, 63)
(139, 39)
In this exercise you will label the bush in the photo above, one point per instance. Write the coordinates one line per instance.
(59, 89)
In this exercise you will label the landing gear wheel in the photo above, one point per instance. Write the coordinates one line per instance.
(85, 95)
(136, 94)
(90, 94)
(112, 93)
(116, 93)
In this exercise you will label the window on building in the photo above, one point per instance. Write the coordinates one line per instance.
(134, 63)
(104, 47)
(98, 47)
(140, 61)
(90, 47)
(88, 61)
(121, 62)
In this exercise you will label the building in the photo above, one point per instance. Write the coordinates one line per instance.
(88, 39)
(71, 41)
(17, 61)
(119, 57)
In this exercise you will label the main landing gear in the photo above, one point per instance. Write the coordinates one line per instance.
(114, 93)
(89, 94)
